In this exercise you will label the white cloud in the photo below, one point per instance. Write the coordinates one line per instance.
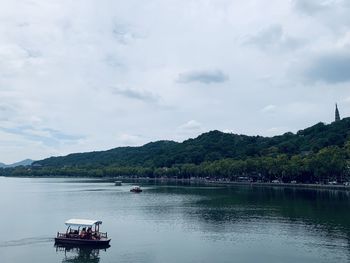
(59, 60)
(129, 139)
(191, 125)
(269, 108)
(312, 6)
(189, 129)
(141, 95)
(205, 76)
(273, 38)
(344, 41)
(328, 66)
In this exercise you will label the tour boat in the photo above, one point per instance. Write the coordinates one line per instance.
(118, 183)
(136, 189)
(83, 232)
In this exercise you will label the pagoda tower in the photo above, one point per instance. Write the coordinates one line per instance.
(337, 116)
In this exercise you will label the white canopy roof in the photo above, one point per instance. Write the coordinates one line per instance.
(82, 222)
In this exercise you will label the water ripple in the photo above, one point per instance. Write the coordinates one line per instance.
(26, 241)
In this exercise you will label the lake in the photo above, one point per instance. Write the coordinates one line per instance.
(174, 222)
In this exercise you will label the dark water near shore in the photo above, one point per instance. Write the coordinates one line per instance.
(175, 223)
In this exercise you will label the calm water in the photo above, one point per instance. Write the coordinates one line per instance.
(175, 223)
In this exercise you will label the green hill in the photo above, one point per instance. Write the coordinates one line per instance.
(211, 146)
(320, 153)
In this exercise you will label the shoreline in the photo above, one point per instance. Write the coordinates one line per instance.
(256, 184)
(200, 181)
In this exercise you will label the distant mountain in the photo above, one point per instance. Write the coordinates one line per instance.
(210, 146)
(25, 162)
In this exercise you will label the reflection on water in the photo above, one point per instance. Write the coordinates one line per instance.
(315, 218)
(175, 222)
(229, 204)
(71, 254)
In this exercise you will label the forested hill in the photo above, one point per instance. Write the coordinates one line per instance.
(211, 146)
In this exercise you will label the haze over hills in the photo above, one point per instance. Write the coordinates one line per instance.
(25, 162)
(211, 146)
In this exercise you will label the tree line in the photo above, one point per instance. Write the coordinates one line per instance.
(328, 164)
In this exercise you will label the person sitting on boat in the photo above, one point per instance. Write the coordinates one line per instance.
(89, 233)
(96, 236)
(83, 233)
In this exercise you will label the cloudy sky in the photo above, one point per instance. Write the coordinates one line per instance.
(82, 75)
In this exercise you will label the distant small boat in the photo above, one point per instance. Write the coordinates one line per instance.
(83, 232)
(118, 183)
(136, 189)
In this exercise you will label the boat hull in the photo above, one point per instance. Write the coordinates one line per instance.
(135, 191)
(82, 242)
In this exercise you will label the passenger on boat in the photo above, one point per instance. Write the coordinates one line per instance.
(83, 233)
(96, 236)
(89, 233)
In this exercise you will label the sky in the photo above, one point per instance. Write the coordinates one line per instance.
(84, 75)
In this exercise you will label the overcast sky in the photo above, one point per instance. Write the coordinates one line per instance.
(82, 75)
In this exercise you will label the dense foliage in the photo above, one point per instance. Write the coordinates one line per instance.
(319, 153)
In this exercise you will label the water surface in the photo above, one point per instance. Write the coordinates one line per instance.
(174, 222)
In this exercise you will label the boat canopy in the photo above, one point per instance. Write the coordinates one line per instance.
(82, 222)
